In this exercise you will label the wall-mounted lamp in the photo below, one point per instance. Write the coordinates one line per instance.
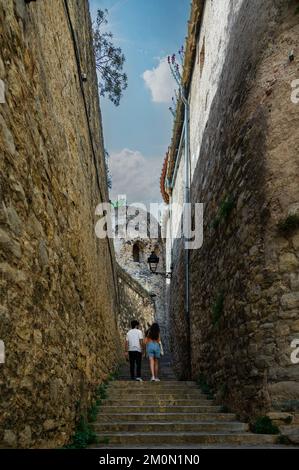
(153, 261)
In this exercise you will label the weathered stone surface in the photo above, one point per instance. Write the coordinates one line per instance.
(10, 438)
(281, 391)
(136, 304)
(295, 240)
(50, 424)
(288, 262)
(294, 277)
(14, 221)
(7, 136)
(291, 432)
(25, 437)
(51, 263)
(280, 417)
(43, 254)
(290, 301)
(9, 245)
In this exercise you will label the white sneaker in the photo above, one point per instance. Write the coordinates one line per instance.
(139, 379)
(153, 379)
(157, 380)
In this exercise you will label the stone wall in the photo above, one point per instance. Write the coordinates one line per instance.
(135, 304)
(244, 280)
(58, 295)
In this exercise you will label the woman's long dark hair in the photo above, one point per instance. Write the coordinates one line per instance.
(154, 332)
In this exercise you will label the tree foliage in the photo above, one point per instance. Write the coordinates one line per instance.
(109, 178)
(109, 61)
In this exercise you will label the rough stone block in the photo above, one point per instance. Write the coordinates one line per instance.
(288, 262)
(290, 301)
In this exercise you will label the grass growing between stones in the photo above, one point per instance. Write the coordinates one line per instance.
(288, 420)
(204, 387)
(217, 308)
(264, 425)
(225, 409)
(84, 434)
(288, 225)
(225, 209)
(283, 440)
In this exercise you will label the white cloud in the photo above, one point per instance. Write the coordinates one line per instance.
(136, 176)
(160, 82)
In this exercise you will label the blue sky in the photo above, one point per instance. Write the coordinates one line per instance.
(138, 132)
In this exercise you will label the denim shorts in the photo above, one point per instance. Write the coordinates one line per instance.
(153, 350)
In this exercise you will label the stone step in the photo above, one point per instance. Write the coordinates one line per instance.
(170, 383)
(150, 388)
(185, 438)
(158, 408)
(147, 378)
(168, 414)
(165, 417)
(159, 427)
(145, 368)
(155, 394)
(156, 400)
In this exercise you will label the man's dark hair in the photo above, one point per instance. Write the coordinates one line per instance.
(134, 323)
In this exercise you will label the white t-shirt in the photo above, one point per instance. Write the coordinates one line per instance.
(133, 337)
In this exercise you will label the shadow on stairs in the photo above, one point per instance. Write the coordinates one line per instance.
(165, 370)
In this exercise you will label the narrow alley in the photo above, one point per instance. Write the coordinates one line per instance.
(149, 176)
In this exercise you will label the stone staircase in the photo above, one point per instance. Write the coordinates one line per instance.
(168, 414)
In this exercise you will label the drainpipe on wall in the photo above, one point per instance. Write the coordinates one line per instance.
(186, 237)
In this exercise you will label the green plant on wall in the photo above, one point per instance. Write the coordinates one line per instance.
(93, 411)
(204, 387)
(225, 409)
(288, 419)
(226, 208)
(224, 211)
(288, 225)
(215, 223)
(283, 440)
(223, 390)
(83, 436)
(101, 392)
(264, 425)
(217, 308)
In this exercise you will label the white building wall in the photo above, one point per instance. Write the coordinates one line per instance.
(214, 37)
(215, 30)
